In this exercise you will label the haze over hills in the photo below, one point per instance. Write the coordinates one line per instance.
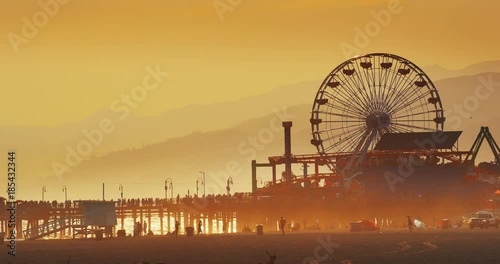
(181, 142)
(436, 72)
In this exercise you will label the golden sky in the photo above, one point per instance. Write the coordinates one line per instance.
(92, 51)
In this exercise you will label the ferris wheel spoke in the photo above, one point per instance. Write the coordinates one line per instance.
(411, 120)
(347, 138)
(345, 109)
(403, 104)
(414, 114)
(394, 74)
(398, 93)
(337, 114)
(344, 113)
(375, 74)
(396, 82)
(362, 145)
(346, 133)
(383, 73)
(352, 143)
(419, 107)
(385, 105)
(386, 76)
(381, 100)
(338, 128)
(337, 134)
(400, 130)
(401, 92)
(405, 80)
(350, 91)
(365, 79)
(346, 96)
(413, 126)
(342, 100)
(371, 76)
(348, 145)
(407, 102)
(384, 88)
(363, 83)
(355, 90)
(343, 121)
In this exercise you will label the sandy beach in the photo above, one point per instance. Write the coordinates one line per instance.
(386, 246)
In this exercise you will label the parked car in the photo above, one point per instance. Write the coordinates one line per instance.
(364, 225)
(483, 219)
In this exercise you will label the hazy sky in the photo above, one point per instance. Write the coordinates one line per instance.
(90, 52)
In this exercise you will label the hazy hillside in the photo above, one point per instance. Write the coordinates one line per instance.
(436, 72)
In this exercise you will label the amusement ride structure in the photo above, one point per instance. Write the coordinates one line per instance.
(378, 124)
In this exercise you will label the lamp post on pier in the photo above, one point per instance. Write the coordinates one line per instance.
(204, 183)
(121, 193)
(228, 187)
(169, 185)
(65, 190)
(197, 183)
(44, 190)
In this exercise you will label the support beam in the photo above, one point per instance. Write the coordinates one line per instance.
(274, 174)
(255, 165)
(254, 176)
(306, 183)
(288, 151)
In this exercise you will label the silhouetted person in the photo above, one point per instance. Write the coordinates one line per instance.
(176, 229)
(224, 226)
(139, 229)
(136, 229)
(108, 230)
(410, 224)
(145, 227)
(282, 225)
(199, 228)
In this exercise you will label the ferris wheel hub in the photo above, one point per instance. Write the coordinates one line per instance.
(378, 120)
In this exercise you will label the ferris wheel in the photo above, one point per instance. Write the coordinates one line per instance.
(367, 96)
